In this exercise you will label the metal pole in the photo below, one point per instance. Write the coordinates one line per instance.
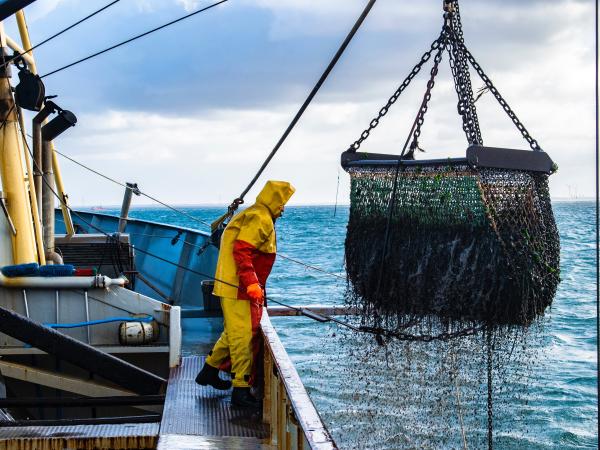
(64, 205)
(35, 212)
(48, 190)
(131, 188)
(11, 169)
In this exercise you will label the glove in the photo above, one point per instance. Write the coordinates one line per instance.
(255, 292)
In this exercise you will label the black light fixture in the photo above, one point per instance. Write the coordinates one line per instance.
(64, 120)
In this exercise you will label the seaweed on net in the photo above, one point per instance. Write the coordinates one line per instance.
(469, 261)
(466, 245)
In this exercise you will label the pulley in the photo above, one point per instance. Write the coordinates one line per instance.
(30, 92)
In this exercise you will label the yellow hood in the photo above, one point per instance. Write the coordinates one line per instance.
(275, 195)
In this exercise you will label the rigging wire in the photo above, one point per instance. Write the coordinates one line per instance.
(64, 30)
(307, 312)
(203, 246)
(148, 196)
(179, 211)
(127, 41)
(304, 311)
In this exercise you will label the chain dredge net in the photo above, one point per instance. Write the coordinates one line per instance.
(465, 245)
(472, 260)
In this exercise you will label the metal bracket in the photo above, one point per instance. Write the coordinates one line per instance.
(449, 6)
(8, 218)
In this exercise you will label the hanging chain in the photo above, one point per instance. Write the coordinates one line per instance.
(462, 79)
(532, 142)
(430, 84)
(446, 336)
(452, 40)
(383, 111)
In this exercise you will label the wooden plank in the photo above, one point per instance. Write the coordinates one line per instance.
(330, 310)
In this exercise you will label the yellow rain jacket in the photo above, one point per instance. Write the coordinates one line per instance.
(249, 244)
(246, 257)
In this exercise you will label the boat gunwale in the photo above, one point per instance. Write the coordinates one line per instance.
(129, 219)
(309, 420)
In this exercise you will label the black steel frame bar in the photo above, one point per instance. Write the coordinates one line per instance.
(150, 418)
(81, 401)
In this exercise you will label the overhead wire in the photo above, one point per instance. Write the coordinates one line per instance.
(55, 35)
(307, 312)
(134, 38)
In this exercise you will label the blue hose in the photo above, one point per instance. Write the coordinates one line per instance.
(147, 319)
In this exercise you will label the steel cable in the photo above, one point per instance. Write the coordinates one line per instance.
(127, 41)
(64, 30)
(238, 201)
(179, 211)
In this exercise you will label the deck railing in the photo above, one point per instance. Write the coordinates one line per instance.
(294, 421)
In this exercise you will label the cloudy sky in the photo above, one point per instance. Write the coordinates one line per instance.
(190, 112)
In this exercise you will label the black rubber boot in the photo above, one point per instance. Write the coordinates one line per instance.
(210, 375)
(242, 398)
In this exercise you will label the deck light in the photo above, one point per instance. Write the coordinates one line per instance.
(64, 120)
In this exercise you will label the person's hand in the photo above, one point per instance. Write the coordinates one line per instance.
(256, 293)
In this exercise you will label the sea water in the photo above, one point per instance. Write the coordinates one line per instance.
(561, 409)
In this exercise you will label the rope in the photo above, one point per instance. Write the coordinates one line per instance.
(147, 319)
(305, 105)
(304, 311)
(101, 52)
(64, 30)
(377, 332)
(203, 246)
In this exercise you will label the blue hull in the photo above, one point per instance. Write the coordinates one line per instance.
(185, 249)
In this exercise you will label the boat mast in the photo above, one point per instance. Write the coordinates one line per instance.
(14, 186)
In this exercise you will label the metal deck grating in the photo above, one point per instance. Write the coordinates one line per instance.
(202, 417)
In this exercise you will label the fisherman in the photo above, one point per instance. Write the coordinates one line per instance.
(247, 254)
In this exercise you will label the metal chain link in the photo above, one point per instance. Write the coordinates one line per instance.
(462, 79)
(430, 84)
(383, 111)
(446, 336)
(532, 142)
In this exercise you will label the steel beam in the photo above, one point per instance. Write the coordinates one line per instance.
(59, 381)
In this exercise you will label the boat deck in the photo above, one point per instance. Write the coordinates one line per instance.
(194, 417)
(200, 417)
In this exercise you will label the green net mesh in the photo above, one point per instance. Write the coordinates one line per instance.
(465, 245)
